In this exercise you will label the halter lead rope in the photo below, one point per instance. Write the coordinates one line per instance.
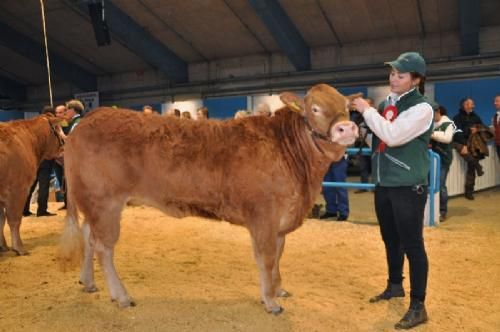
(42, 7)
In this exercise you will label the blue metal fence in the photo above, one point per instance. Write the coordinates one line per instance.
(434, 175)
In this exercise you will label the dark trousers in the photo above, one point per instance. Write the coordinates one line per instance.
(364, 168)
(43, 179)
(400, 213)
(470, 175)
(59, 171)
(498, 152)
(443, 190)
(337, 199)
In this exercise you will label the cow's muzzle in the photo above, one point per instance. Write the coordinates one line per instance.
(344, 133)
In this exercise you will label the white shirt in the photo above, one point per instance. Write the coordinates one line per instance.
(444, 136)
(408, 125)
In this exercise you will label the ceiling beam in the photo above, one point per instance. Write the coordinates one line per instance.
(470, 14)
(284, 32)
(35, 51)
(11, 89)
(139, 41)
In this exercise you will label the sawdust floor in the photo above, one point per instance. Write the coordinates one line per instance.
(199, 275)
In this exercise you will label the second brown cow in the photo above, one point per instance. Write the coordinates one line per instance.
(23, 146)
(261, 173)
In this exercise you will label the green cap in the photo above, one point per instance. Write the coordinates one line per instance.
(409, 62)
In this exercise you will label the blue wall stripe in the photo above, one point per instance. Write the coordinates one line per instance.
(481, 91)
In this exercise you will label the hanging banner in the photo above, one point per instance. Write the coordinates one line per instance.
(89, 99)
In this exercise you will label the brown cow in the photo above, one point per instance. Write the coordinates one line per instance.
(23, 146)
(263, 173)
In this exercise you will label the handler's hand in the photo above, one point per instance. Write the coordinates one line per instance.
(464, 150)
(360, 105)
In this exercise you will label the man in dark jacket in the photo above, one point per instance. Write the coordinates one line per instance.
(467, 123)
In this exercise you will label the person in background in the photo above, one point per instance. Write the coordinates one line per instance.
(74, 109)
(336, 199)
(364, 161)
(263, 109)
(495, 123)
(174, 112)
(60, 111)
(242, 114)
(186, 115)
(147, 109)
(467, 122)
(400, 168)
(441, 139)
(43, 180)
(202, 113)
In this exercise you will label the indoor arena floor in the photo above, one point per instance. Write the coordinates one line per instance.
(193, 274)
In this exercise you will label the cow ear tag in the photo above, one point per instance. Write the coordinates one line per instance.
(293, 101)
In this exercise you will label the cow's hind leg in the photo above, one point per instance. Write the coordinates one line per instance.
(105, 233)
(3, 243)
(87, 269)
(265, 255)
(14, 213)
(116, 289)
(280, 245)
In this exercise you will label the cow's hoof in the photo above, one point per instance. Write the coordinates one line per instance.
(276, 310)
(21, 252)
(283, 293)
(90, 289)
(4, 249)
(128, 302)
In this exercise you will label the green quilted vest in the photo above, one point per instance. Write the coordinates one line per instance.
(404, 165)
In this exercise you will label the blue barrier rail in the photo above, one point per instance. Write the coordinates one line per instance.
(434, 183)
(434, 177)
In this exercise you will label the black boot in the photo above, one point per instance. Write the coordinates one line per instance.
(415, 315)
(392, 290)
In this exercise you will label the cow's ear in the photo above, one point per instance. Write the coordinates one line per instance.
(293, 101)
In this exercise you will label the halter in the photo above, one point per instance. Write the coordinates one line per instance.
(315, 134)
(60, 141)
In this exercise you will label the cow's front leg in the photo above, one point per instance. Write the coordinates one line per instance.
(87, 268)
(3, 243)
(264, 246)
(280, 245)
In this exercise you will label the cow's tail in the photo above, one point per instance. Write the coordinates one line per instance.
(71, 245)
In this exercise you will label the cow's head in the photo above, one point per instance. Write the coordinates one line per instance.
(326, 111)
(56, 136)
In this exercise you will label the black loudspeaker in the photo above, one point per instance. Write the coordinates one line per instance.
(101, 32)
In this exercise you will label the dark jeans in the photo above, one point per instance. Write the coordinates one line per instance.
(59, 171)
(443, 191)
(43, 179)
(364, 167)
(337, 199)
(400, 213)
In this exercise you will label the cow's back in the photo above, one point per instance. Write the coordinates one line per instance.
(207, 168)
